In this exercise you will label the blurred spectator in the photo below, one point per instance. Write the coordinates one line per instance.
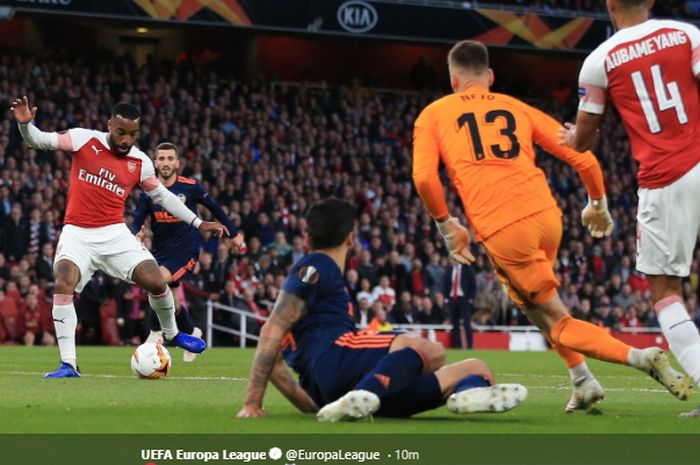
(297, 250)
(583, 312)
(353, 284)
(436, 274)
(5, 202)
(419, 279)
(363, 316)
(4, 270)
(430, 314)
(404, 312)
(367, 269)
(570, 297)
(35, 323)
(8, 318)
(44, 264)
(460, 292)
(15, 235)
(396, 271)
(624, 299)
(380, 321)
(384, 293)
(366, 292)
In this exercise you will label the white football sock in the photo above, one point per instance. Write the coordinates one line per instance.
(579, 373)
(634, 358)
(65, 321)
(164, 306)
(681, 334)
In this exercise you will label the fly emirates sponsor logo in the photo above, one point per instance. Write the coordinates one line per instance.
(645, 48)
(104, 179)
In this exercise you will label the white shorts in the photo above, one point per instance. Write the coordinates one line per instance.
(112, 249)
(668, 220)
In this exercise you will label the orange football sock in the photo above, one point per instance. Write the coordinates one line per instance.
(571, 358)
(589, 340)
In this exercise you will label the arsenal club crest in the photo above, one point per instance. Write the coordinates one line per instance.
(131, 165)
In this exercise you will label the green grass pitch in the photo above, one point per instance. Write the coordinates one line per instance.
(204, 397)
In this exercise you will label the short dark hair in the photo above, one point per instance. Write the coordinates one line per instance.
(330, 221)
(126, 111)
(168, 146)
(470, 55)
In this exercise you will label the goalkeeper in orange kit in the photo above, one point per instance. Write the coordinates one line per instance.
(485, 140)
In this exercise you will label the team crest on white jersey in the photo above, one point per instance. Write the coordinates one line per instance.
(96, 149)
(308, 275)
(131, 165)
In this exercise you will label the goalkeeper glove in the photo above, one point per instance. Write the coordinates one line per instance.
(457, 240)
(596, 218)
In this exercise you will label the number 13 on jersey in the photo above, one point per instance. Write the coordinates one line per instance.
(507, 145)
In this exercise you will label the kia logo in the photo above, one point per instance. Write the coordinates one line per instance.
(357, 16)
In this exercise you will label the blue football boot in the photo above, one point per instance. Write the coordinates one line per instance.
(189, 343)
(66, 370)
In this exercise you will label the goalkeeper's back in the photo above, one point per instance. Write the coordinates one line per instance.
(485, 140)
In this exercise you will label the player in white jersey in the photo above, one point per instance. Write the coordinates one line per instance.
(105, 167)
(649, 70)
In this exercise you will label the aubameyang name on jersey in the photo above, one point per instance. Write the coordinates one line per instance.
(105, 179)
(645, 48)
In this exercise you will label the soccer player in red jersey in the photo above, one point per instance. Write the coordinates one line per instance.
(105, 167)
(649, 70)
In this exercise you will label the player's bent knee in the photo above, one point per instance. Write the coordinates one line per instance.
(432, 353)
(474, 366)
(67, 275)
(147, 274)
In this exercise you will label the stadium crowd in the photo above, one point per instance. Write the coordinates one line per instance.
(265, 151)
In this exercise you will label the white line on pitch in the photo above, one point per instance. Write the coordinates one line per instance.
(89, 375)
(563, 376)
(228, 378)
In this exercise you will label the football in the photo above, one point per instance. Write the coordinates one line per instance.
(150, 361)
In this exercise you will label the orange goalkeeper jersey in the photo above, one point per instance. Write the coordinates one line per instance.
(486, 141)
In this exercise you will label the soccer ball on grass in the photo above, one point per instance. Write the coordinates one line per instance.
(150, 361)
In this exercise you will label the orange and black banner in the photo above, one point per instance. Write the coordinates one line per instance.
(378, 19)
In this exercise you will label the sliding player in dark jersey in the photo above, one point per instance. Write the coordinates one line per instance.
(176, 246)
(349, 373)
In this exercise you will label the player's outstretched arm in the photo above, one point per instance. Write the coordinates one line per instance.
(595, 216)
(170, 202)
(287, 311)
(33, 136)
(291, 389)
(221, 216)
(583, 135)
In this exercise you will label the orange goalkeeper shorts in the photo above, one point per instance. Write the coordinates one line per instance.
(523, 255)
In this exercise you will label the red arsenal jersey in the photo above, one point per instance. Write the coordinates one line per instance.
(100, 181)
(649, 73)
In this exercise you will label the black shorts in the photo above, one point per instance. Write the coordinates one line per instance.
(178, 266)
(345, 363)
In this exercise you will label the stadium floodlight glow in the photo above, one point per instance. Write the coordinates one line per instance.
(142, 30)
